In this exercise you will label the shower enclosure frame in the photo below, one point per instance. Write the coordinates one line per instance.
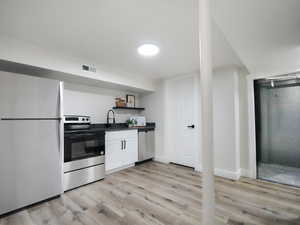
(252, 167)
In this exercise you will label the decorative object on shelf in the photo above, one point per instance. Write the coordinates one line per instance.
(140, 120)
(120, 102)
(130, 101)
(131, 122)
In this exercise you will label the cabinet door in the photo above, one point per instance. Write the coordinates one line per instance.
(130, 151)
(113, 155)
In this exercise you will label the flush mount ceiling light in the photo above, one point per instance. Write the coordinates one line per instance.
(148, 50)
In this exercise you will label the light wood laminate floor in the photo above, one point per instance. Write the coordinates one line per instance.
(162, 194)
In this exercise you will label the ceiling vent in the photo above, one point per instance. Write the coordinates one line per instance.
(89, 68)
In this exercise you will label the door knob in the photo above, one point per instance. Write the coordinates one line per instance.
(191, 126)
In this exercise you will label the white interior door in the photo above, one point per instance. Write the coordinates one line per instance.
(182, 115)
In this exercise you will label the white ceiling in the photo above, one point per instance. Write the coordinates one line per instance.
(264, 33)
(109, 31)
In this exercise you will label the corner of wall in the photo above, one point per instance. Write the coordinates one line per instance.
(161, 159)
(233, 175)
(244, 118)
(245, 173)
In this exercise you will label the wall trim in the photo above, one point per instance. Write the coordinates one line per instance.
(228, 174)
(245, 173)
(251, 127)
(233, 175)
(161, 160)
(198, 168)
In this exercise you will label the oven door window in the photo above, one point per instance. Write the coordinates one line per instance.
(85, 145)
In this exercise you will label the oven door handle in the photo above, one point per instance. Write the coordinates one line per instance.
(80, 135)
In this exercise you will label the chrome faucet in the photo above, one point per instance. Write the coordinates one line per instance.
(108, 118)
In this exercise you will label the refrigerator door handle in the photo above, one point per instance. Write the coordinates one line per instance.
(60, 114)
(58, 135)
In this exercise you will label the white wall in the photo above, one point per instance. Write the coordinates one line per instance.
(155, 104)
(230, 121)
(94, 101)
(226, 122)
(244, 136)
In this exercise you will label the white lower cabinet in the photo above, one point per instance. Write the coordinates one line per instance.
(121, 149)
(130, 151)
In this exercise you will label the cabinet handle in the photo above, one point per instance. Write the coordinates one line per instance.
(124, 144)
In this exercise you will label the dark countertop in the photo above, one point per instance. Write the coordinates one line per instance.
(113, 127)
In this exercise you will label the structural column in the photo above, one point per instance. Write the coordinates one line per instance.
(206, 93)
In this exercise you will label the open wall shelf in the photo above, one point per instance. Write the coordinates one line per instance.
(130, 108)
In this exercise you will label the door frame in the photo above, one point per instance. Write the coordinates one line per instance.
(251, 117)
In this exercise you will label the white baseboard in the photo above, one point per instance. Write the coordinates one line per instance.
(198, 168)
(233, 175)
(161, 159)
(245, 173)
(223, 173)
(228, 174)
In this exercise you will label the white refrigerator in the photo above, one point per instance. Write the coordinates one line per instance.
(30, 140)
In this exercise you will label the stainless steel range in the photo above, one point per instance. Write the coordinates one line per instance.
(84, 152)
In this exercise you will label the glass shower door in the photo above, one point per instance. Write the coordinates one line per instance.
(277, 104)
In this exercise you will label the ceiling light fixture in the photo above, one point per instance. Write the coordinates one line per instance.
(148, 50)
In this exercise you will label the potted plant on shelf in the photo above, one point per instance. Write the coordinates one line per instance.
(131, 122)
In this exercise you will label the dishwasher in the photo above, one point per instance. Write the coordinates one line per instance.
(146, 144)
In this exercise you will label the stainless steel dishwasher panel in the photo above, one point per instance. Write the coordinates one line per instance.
(146, 145)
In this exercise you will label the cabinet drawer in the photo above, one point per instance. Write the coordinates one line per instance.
(75, 165)
(117, 135)
(81, 177)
